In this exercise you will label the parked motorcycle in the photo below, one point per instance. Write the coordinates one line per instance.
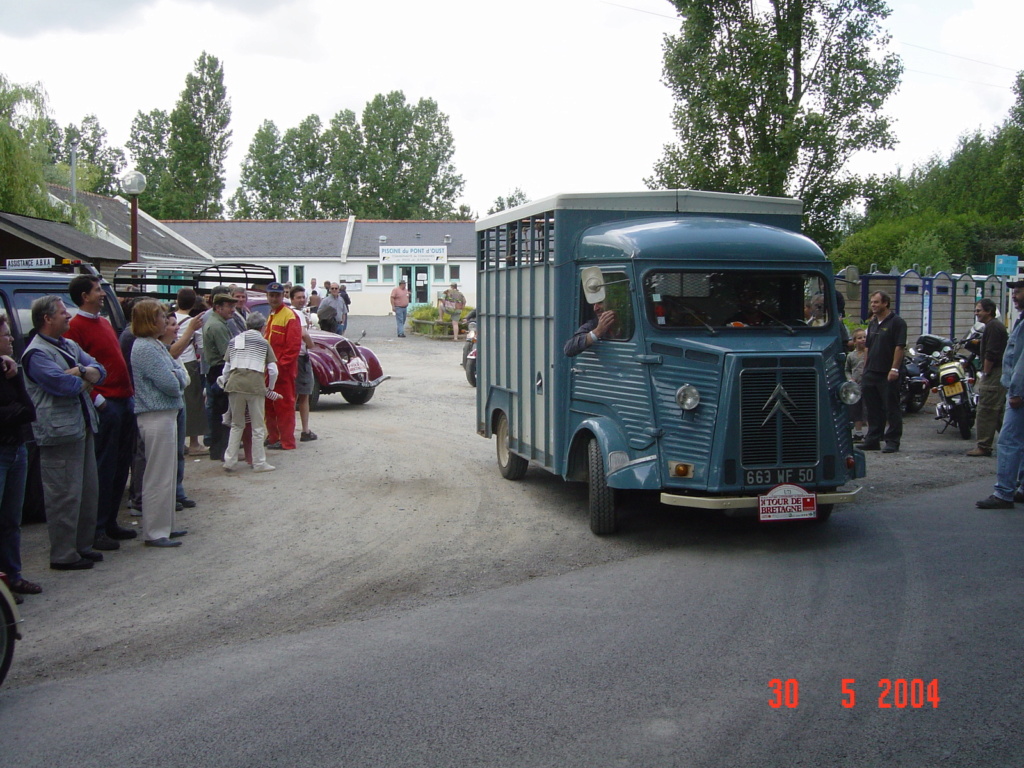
(915, 386)
(953, 373)
(469, 354)
(9, 621)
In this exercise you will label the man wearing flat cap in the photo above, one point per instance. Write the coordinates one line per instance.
(216, 335)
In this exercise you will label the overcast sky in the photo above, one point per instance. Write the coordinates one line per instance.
(548, 95)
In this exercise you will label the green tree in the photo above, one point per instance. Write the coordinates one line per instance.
(23, 151)
(407, 170)
(306, 159)
(396, 163)
(516, 197)
(344, 146)
(198, 143)
(98, 166)
(970, 201)
(148, 146)
(774, 98)
(267, 187)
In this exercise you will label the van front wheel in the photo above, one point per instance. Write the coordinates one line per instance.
(512, 467)
(602, 498)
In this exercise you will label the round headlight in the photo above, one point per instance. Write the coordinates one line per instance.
(849, 392)
(688, 397)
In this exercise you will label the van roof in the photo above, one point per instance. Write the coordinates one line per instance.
(651, 201)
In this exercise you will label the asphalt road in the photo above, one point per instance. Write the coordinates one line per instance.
(530, 642)
(662, 660)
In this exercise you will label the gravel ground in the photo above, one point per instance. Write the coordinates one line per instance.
(398, 504)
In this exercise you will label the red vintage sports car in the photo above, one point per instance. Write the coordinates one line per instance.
(339, 363)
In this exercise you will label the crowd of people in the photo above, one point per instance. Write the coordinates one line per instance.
(109, 413)
(876, 363)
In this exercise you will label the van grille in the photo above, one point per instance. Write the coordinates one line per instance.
(778, 416)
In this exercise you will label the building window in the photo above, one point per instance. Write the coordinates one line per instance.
(372, 273)
(454, 271)
(282, 274)
(439, 273)
(388, 273)
(300, 275)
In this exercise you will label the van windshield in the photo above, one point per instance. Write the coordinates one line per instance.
(677, 299)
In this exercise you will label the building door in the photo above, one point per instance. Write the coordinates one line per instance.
(421, 285)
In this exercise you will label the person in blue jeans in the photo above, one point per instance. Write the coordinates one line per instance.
(400, 298)
(16, 414)
(1010, 446)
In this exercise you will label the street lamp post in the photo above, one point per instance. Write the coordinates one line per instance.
(133, 184)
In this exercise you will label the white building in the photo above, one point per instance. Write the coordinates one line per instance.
(368, 256)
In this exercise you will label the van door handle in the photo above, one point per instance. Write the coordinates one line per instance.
(649, 359)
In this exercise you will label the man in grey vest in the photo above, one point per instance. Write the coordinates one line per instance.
(59, 376)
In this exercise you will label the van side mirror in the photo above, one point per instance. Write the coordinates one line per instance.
(593, 284)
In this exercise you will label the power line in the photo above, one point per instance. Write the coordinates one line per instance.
(956, 56)
(958, 79)
(641, 10)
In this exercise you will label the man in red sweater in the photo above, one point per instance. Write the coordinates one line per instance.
(284, 332)
(115, 404)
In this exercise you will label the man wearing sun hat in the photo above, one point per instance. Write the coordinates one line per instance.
(284, 332)
(216, 335)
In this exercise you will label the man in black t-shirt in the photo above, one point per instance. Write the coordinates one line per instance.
(880, 385)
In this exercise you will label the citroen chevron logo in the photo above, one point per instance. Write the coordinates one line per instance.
(777, 403)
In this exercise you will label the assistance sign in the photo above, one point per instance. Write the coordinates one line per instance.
(787, 502)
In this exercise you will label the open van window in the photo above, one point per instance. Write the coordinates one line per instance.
(682, 299)
(617, 299)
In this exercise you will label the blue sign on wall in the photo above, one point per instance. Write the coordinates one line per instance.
(1006, 265)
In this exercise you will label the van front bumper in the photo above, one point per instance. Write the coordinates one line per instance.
(746, 502)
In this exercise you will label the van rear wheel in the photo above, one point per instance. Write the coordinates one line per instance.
(512, 467)
(601, 497)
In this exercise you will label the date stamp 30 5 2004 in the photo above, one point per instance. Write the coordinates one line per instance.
(899, 693)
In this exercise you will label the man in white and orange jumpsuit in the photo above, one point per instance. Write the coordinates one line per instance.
(284, 332)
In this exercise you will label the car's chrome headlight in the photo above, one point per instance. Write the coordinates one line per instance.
(687, 397)
(849, 392)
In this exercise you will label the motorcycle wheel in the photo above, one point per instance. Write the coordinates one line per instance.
(7, 639)
(964, 420)
(471, 371)
(916, 402)
(466, 349)
(512, 467)
(601, 497)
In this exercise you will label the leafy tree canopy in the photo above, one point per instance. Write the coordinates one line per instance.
(198, 143)
(182, 153)
(515, 197)
(267, 185)
(24, 152)
(774, 98)
(971, 202)
(148, 147)
(98, 166)
(394, 163)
